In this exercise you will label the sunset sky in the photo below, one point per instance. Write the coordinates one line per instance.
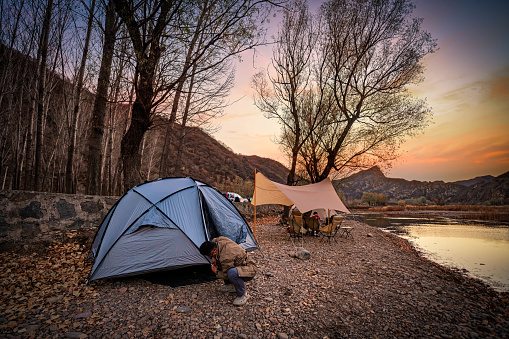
(467, 86)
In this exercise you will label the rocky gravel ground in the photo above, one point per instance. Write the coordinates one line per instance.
(373, 285)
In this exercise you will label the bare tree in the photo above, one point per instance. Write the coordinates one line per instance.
(281, 96)
(33, 30)
(45, 98)
(95, 141)
(41, 81)
(146, 35)
(206, 100)
(69, 173)
(233, 25)
(19, 36)
(181, 80)
(10, 27)
(373, 51)
(352, 108)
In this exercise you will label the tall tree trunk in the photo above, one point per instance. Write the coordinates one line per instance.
(69, 173)
(118, 174)
(148, 55)
(290, 180)
(182, 135)
(40, 97)
(180, 86)
(95, 141)
(29, 178)
(140, 123)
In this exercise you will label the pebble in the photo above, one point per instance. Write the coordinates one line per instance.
(183, 309)
(76, 335)
(302, 253)
(55, 299)
(83, 315)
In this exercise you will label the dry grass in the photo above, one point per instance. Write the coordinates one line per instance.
(491, 213)
(462, 208)
(487, 215)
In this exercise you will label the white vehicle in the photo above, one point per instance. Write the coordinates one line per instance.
(235, 197)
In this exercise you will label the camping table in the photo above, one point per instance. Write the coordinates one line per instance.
(346, 232)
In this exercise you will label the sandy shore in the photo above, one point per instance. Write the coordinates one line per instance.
(371, 285)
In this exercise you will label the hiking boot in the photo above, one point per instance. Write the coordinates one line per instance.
(240, 301)
(228, 288)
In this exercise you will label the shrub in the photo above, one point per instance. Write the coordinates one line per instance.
(374, 199)
(416, 202)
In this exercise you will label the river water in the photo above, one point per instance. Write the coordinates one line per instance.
(476, 248)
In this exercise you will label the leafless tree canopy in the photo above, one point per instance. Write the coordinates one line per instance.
(354, 108)
(98, 95)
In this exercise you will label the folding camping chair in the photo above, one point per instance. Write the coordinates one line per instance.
(312, 224)
(296, 230)
(330, 230)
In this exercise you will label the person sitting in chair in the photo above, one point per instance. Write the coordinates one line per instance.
(317, 217)
(231, 263)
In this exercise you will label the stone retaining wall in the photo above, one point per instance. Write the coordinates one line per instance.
(27, 217)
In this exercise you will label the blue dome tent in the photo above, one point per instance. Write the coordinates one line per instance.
(161, 224)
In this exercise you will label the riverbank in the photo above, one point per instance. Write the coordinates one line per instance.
(374, 285)
(472, 212)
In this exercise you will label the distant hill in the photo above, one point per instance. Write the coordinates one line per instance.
(496, 190)
(476, 180)
(203, 158)
(206, 158)
(209, 160)
(479, 190)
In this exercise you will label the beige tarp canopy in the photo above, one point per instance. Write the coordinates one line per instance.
(305, 198)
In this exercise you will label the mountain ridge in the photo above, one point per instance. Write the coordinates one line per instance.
(210, 160)
(485, 189)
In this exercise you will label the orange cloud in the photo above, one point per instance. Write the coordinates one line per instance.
(432, 160)
(500, 87)
(496, 154)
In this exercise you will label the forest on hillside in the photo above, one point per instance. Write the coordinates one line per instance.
(97, 96)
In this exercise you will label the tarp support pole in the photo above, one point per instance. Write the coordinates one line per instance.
(254, 197)
(254, 228)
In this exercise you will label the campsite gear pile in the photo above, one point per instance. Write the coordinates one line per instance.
(318, 199)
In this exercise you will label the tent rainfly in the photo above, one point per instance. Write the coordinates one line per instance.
(321, 195)
(160, 225)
